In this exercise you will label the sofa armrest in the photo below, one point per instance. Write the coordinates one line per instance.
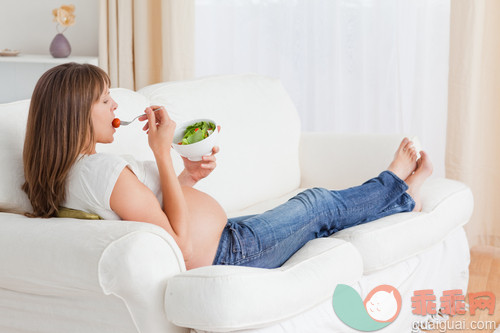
(58, 258)
(339, 161)
(447, 205)
(136, 268)
(228, 298)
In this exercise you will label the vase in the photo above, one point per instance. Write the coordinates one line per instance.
(60, 48)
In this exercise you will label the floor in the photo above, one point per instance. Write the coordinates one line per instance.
(484, 275)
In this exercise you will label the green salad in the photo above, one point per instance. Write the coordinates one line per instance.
(197, 132)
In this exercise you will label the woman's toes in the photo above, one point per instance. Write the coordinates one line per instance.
(426, 163)
(403, 144)
(424, 166)
(408, 146)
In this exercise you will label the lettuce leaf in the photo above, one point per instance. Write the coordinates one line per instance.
(197, 132)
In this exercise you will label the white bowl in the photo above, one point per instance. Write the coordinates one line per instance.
(195, 151)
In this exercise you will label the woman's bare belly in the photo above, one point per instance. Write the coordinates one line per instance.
(207, 220)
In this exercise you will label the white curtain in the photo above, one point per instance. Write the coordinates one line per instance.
(358, 66)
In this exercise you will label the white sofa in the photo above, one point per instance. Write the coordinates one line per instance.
(68, 275)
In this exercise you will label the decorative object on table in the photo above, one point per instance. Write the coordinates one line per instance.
(9, 53)
(60, 47)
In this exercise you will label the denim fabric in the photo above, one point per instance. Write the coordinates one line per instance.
(267, 240)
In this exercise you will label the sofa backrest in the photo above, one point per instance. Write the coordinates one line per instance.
(13, 118)
(259, 139)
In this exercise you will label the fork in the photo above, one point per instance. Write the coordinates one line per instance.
(125, 123)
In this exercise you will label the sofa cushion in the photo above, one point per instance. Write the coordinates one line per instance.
(228, 298)
(13, 117)
(258, 159)
(259, 139)
(76, 214)
(265, 205)
(447, 205)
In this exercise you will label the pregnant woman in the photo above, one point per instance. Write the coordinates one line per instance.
(71, 111)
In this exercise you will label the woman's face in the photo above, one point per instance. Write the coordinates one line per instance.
(103, 113)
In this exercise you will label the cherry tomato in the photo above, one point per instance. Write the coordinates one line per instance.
(116, 123)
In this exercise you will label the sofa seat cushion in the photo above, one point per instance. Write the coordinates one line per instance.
(265, 205)
(447, 205)
(228, 298)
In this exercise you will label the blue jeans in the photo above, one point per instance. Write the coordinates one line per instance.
(267, 240)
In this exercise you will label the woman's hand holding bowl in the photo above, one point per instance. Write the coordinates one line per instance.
(197, 170)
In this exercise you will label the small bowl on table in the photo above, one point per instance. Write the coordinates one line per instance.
(195, 151)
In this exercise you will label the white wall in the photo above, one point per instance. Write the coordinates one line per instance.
(27, 25)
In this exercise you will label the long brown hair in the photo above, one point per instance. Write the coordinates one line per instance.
(59, 129)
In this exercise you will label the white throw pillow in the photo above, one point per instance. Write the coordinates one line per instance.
(260, 134)
(13, 117)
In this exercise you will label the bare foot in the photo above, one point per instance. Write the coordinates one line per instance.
(415, 181)
(405, 160)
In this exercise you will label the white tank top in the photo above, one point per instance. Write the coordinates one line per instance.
(92, 179)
